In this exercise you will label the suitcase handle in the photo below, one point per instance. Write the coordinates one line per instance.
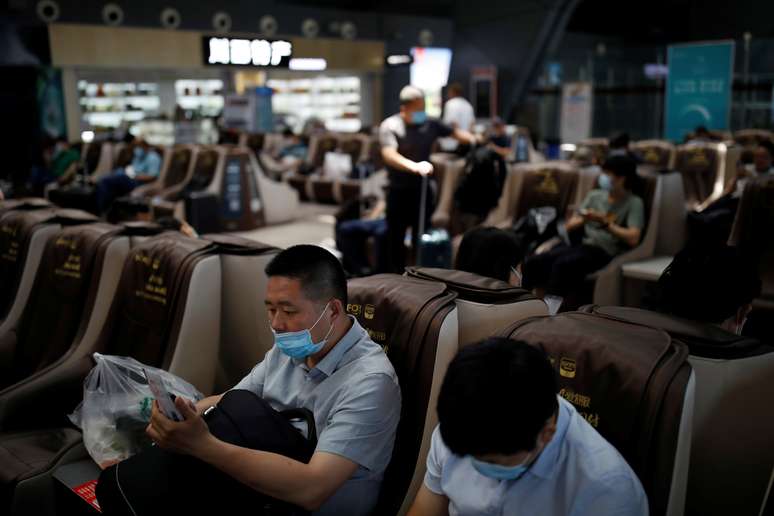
(422, 208)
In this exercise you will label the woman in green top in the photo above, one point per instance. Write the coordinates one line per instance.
(611, 217)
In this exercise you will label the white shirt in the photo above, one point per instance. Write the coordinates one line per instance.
(577, 474)
(459, 113)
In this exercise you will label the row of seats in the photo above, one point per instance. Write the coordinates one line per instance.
(219, 170)
(190, 306)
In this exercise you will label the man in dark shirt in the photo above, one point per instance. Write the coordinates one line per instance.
(406, 139)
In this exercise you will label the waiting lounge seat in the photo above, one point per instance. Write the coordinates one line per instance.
(166, 313)
(634, 384)
(416, 323)
(23, 236)
(731, 430)
(484, 305)
(657, 153)
(706, 169)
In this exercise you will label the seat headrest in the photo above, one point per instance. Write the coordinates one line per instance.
(704, 340)
(228, 244)
(141, 228)
(26, 203)
(71, 217)
(388, 306)
(627, 380)
(472, 287)
(149, 299)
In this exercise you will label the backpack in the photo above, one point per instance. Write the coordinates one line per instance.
(482, 182)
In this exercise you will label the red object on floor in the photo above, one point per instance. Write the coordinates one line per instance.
(87, 491)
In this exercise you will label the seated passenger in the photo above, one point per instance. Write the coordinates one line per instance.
(491, 252)
(60, 164)
(715, 286)
(145, 168)
(353, 233)
(619, 146)
(612, 219)
(507, 444)
(324, 361)
(499, 141)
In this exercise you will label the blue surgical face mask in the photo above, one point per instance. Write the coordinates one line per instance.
(605, 183)
(418, 117)
(498, 472)
(299, 344)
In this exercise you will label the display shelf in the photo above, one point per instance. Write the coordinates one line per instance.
(110, 104)
(334, 100)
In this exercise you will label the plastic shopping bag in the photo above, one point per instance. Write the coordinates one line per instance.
(116, 407)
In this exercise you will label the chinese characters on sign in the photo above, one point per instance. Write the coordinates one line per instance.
(247, 52)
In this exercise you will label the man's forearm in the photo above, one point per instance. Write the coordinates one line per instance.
(269, 473)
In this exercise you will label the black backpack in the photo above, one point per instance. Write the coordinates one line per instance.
(482, 183)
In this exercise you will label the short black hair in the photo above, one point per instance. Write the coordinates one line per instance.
(496, 397)
(490, 252)
(623, 166)
(768, 145)
(708, 284)
(319, 272)
(620, 141)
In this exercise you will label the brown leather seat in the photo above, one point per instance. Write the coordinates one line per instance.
(166, 313)
(63, 291)
(416, 323)
(484, 305)
(26, 203)
(657, 153)
(254, 142)
(730, 431)
(176, 170)
(706, 168)
(245, 335)
(23, 234)
(634, 384)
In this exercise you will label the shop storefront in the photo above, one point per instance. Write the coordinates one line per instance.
(174, 86)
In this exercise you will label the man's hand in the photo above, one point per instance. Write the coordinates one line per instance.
(186, 437)
(594, 216)
(423, 168)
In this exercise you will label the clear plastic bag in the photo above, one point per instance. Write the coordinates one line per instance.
(116, 407)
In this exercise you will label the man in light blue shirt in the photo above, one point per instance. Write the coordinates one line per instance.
(507, 445)
(322, 360)
(144, 168)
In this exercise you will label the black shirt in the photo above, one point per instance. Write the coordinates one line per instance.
(413, 141)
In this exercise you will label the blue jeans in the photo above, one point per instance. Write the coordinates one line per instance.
(112, 187)
(352, 238)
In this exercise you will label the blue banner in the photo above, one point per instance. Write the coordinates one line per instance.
(698, 89)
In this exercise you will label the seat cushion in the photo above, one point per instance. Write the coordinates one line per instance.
(24, 454)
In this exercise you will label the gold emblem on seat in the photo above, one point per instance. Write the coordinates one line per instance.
(548, 185)
(567, 367)
(370, 310)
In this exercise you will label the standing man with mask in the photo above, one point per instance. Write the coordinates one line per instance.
(507, 444)
(324, 361)
(406, 139)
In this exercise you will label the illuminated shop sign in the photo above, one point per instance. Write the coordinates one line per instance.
(247, 52)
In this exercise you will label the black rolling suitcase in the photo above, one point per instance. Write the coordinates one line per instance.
(202, 211)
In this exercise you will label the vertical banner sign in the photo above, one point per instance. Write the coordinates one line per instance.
(576, 114)
(698, 88)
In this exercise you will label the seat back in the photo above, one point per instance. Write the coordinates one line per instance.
(25, 203)
(64, 288)
(658, 153)
(703, 167)
(633, 384)
(546, 184)
(750, 138)
(599, 148)
(166, 312)
(416, 322)
(179, 166)
(730, 432)
(208, 159)
(448, 172)
(355, 145)
(318, 146)
(484, 305)
(104, 164)
(245, 333)
(23, 235)
(91, 157)
(254, 142)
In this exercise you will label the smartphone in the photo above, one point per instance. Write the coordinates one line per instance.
(163, 397)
